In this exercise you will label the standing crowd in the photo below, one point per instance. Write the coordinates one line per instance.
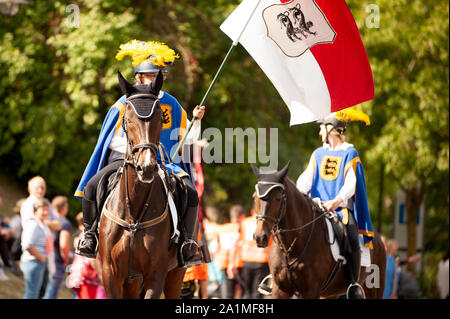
(36, 243)
(237, 265)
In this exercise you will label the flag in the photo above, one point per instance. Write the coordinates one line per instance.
(311, 51)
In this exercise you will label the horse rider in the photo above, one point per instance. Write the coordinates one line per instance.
(148, 58)
(336, 176)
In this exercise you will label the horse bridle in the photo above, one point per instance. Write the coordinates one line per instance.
(135, 148)
(282, 211)
(276, 230)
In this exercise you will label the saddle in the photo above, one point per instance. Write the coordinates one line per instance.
(339, 235)
(174, 184)
(180, 196)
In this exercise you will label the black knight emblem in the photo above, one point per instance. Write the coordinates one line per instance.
(297, 25)
(297, 28)
(329, 167)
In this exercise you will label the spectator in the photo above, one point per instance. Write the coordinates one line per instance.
(390, 279)
(405, 284)
(37, 242)
(85, 273)
(5, 235)
(37, 188)
(216, 277)
(255, 260)
(228, 236)
(62, 247)
(442, 277)
(16, 248)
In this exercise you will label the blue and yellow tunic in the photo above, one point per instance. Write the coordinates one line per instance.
(174, 127)
(330, 169)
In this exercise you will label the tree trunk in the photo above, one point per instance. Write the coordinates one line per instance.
(414, 198)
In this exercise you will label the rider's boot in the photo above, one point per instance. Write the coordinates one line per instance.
(189, 253)
(353, 256)
(88, 244)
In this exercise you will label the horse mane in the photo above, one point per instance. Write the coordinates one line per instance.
(293, 187)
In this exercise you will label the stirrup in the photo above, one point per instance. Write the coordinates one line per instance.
(265, 289)
(356, 284)
(77, 250)
(187, 264)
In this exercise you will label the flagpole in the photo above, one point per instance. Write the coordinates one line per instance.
(214, 80)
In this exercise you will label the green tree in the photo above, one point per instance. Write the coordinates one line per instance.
(409, 58)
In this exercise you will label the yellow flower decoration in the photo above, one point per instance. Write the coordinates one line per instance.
(156, 52)
(350, 115)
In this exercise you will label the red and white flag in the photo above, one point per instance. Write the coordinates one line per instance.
(311, 50)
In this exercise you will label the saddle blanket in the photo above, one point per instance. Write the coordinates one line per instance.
(172, 208)
(335, 251)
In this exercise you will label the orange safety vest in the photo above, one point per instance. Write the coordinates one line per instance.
(250, 252)
(227, 238)
(199, 272)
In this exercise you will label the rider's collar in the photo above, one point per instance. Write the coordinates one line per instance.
(344, 146)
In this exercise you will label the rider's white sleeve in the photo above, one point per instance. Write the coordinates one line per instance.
(304, 182)
(348, 189)
(194, 133)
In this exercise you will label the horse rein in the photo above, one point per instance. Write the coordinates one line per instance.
(282, 209)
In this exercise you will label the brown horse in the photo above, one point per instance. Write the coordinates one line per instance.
(300, 259)
(135, 226)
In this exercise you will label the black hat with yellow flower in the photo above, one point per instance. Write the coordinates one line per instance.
(147, 57)
(339, 120)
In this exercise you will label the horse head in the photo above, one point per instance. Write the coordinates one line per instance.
(269, 202)
(142, 123)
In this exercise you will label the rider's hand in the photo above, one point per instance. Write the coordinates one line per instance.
(199, 111)
(333, 204)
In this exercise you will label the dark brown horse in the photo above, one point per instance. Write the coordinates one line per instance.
(300, 259)
(135, 226)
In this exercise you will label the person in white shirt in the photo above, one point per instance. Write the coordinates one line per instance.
(37, 189)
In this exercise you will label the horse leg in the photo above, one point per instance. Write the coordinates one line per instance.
(132, 290)
(112, 284)
(154, 284)
(278, 293)
(174, 281)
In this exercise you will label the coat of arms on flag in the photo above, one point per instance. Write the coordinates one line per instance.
(297, 26)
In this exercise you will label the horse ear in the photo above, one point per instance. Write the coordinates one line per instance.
(255, 170)
(282, 174)
(126, 87)
(157, 84)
